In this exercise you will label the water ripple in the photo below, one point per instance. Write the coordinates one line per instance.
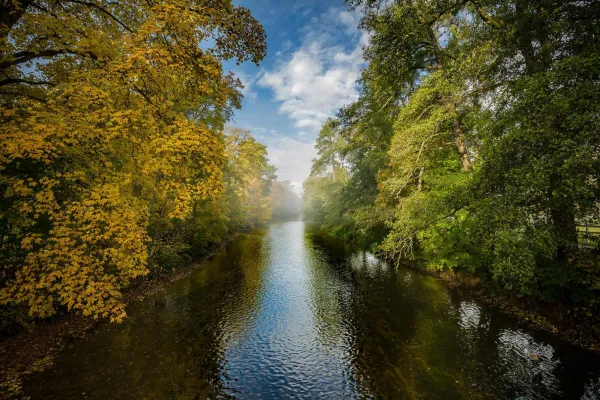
(279, 314)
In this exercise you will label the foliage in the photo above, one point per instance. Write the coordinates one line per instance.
(248, 180)
(323, 190)
(474, 143)
(112, 159)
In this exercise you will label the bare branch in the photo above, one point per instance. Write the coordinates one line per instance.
(25, 56)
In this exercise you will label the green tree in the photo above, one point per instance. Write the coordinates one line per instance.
(323, 190)
(474, 141)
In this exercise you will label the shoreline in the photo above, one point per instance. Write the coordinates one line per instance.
(34, 349)
(555, 319)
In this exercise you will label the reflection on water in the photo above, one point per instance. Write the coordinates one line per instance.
(528, 364)
(283, 314)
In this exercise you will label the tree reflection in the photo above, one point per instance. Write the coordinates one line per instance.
(281, 314)
(173, 344)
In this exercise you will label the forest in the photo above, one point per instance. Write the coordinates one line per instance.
(155, 242)
(474, 144)
(115, 159)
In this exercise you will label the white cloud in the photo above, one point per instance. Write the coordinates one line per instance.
(350, 20)
(248, 82)
(319, 77)
(310, 83)
(292, 159)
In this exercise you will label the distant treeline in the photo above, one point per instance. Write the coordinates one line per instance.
(474, 145)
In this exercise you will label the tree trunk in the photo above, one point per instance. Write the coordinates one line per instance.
(420, 181)
(460, 143)
(565, 230)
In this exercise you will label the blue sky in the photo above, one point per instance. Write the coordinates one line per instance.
(313, 61)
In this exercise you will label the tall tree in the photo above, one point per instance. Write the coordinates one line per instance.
(248, 179)
(110, 120)
(330, 147)
(474, 140)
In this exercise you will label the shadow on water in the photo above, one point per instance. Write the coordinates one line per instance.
(280, 313)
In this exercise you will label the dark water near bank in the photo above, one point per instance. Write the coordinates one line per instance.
(280, 314)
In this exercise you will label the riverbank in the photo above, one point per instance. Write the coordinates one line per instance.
(37, 350)
(281, 314)
(557, 319)
(560, 320)
(33, 350)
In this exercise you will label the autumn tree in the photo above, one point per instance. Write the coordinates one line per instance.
(111, 114)
(248, 179)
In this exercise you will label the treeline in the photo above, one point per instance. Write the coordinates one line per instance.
(114, 159)
(475, 143)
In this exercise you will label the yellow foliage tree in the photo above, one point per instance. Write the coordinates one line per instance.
(110, 116)
(248, 179)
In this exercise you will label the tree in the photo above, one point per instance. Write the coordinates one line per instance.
(110, 122)
(248, 179)
(474, 141)
(330, 146)
(323, 197)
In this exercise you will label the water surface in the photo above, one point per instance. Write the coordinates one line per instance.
(279, 313)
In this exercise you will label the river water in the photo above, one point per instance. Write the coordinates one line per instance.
(282, 314)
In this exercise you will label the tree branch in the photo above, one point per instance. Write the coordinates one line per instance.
(486, 17)
(24, 56)
(10, 13)
(10, 81)
(103, 10)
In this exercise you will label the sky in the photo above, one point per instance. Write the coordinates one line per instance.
(313, 61)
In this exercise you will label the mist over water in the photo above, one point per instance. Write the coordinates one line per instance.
(289, 203)
(280, 313)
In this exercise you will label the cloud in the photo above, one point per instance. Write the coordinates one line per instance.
(350, 20)
(248, 82)
(320, 76)
(312, 78)
(292, 159)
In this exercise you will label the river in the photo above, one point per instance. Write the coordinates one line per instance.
(280, 313)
